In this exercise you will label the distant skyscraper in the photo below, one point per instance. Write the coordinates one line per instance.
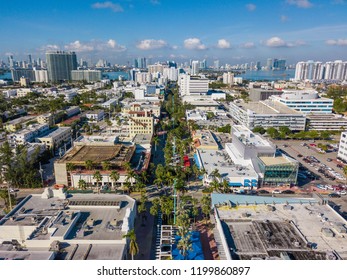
(279, 64)
(195, 68)
(258, 65)
(269, 64)
(60, 64)
(216, 64)
(11, 61)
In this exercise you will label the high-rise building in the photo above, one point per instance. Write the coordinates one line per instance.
(269, 64)
(228, 78)
(195, 68)
(60, 64)
(216, 64)
(279, 64)
(86, 75)
(311, 70)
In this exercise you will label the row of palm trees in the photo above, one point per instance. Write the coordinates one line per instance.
(133, 181)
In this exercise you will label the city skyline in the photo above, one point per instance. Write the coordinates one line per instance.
(120, 31)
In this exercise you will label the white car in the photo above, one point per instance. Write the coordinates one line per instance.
(276, 191)
(342, 192)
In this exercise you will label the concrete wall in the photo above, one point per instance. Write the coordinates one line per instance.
(60, 173)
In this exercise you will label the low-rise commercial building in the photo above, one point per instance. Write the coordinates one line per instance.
(95, 116)
(257, 94)
(49, 226)
(196, 115)
(56, 138)
(28, 134)
(277, 228)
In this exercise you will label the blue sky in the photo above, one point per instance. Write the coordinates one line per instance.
(231, 31)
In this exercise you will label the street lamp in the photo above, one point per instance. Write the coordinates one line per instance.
(41, 173)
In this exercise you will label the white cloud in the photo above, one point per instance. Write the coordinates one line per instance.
(108, 5)
(150, 44)
(338, 42)
(194, 44)
(50, 47)
(77, 46)
(223, 44)
(276, 42)
(284, 18)
(174, 47)
(251, 7)
(248, 45)
(93, 45)
(300, 3)
(9, 53)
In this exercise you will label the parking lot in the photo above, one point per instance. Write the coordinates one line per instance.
(324, 167)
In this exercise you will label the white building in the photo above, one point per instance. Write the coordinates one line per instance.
(305, 101)
(28, 134)
(45, 223)
(192, 85)
(41, 76)
(316, 70)
(228, 78)
(171, 73)
(95, 116)
(86, 75)
(195, 68)
(56, 138)
(342, 153)
(196, 115)
(266, 114)
(109, 103)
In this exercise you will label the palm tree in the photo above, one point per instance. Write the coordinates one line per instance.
(225, 186)
(156, 141)
(215, 174)
(82, 184)
(105, 165)
(6, 197)
(98, 177)
(69, 168)
(185, 245)
(89, 164)
(133, 246)
(114, 176)
(131, 177)
(127, 166)
(215, 185)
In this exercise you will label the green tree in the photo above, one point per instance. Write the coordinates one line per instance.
(114, 176)
(185, 246)
(82, 184)
(97, 177)
(259, 129)
(89, 164)
(105, 165)
(206, 205)
(273, 132)
(284, 132)
(155, 141)
(133, 246)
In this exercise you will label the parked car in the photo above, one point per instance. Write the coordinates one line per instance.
(334, 195)
(276, 191)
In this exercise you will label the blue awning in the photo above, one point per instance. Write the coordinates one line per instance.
(234, 184)
(196, 159)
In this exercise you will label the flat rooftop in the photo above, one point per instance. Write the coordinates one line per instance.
(219, 159)
(113, 153)
(142, 139)
(247, 137)
(56, 132)
(79, 217)
(266, 107)
(264, 230)
(277, 160)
